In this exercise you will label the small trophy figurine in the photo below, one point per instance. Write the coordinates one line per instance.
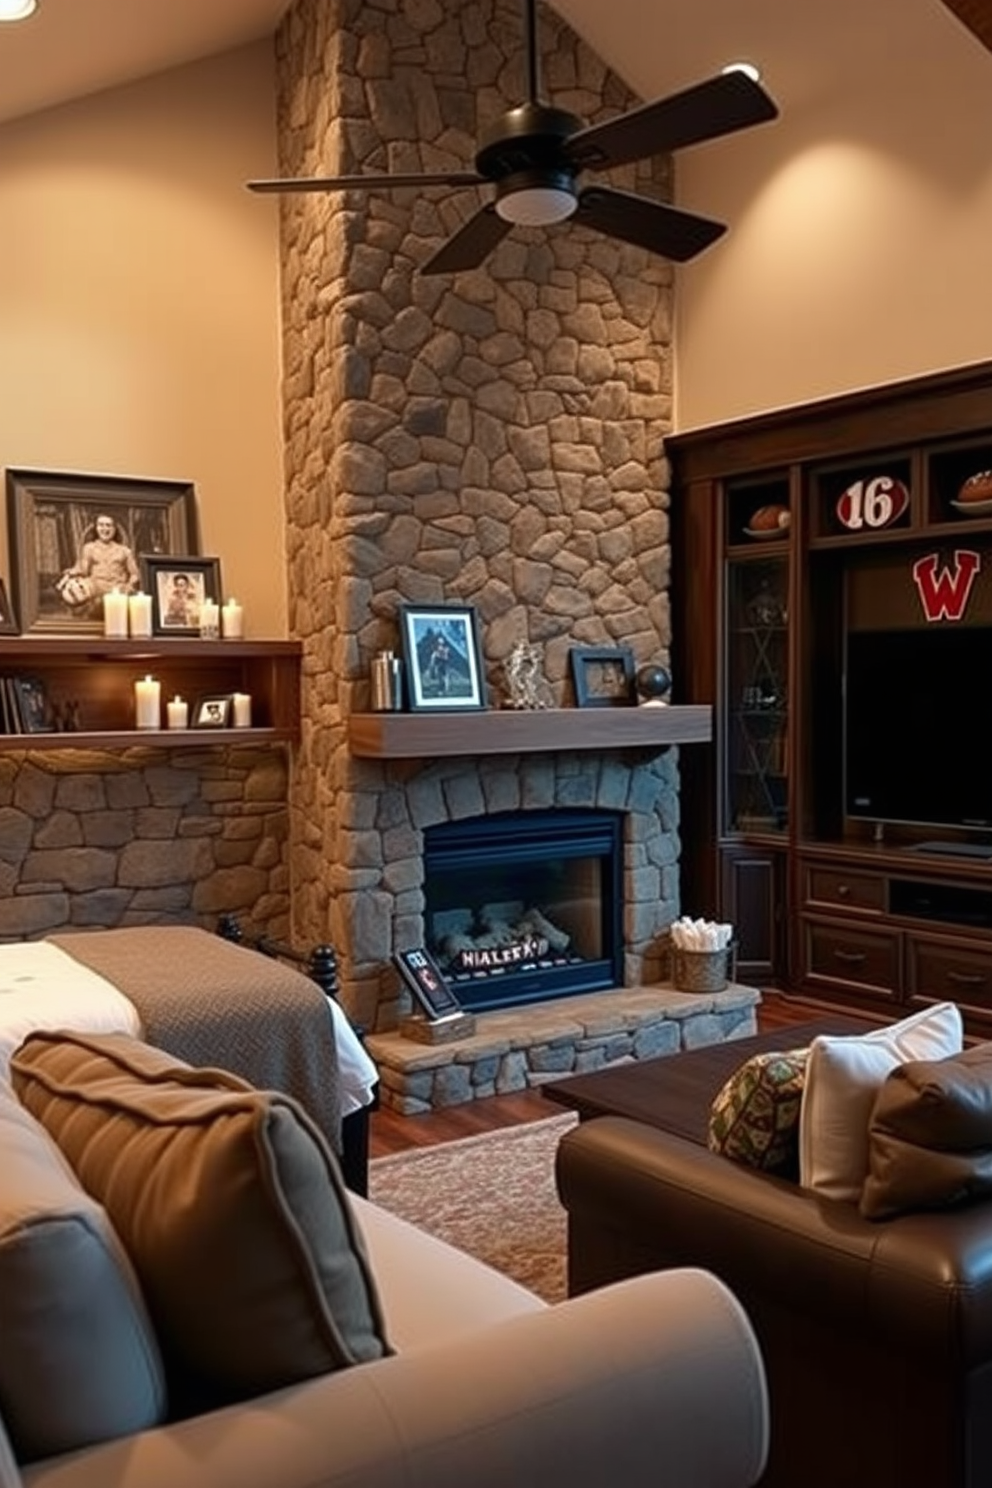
(525, 679)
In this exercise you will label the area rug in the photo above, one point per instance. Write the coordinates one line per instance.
(492, 1195)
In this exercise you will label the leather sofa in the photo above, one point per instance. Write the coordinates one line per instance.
(877, 1337)
(482, 1382)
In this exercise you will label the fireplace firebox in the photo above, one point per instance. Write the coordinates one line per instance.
(525, 906)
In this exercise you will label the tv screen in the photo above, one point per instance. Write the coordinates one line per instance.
(918, 726)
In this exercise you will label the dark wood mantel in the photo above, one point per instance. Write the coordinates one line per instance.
(430, 735)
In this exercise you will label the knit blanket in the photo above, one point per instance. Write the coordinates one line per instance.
(209, 1002)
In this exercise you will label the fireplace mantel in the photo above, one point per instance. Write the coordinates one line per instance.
(509, 731)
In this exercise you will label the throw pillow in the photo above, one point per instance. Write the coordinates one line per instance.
(843, 1077)
(754, 1118)
(930, 1137)
(79, 1363)
(230, 1204)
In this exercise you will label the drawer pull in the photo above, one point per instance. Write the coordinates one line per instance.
(851, 958)
(966, 978)
(843, 891)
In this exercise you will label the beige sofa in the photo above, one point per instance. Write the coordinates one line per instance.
(476, 1382)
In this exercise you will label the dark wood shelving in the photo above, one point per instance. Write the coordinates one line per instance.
(429, 735)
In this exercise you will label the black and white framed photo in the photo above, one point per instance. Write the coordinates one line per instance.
(603, 676)
(213, 711)
(180, 585)
(75, 538)
(8, 620)
(442, 656)
(422, 975)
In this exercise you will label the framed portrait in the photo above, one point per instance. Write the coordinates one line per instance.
(74, 538)
(442, 658)
(178, 585)
(212, 711)
(422, 975)
(8, 620)
(603, 676)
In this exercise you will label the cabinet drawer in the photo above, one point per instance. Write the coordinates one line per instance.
(938, 971)
(849, 890)
(839, 956)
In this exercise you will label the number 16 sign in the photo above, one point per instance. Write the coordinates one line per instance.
(872, 503)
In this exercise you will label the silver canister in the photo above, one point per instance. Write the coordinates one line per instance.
(387, 683)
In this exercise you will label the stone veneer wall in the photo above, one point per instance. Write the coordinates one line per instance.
(493, 438)
(92, 839)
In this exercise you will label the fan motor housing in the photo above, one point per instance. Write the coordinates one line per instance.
(528, 138)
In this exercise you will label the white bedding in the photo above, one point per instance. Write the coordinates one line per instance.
(43, 987)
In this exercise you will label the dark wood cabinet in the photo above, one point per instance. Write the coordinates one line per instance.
(796, 535)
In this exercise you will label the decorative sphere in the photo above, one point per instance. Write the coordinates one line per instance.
(653, 681)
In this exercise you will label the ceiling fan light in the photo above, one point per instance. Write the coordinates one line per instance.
(536, 206)
(747, 68)
(16, 10)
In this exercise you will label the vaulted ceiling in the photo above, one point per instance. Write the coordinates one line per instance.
(976, 15)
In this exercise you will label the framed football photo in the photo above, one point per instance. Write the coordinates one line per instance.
(422, 975)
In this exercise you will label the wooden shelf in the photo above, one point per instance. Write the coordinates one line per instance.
(430, 735)
(120, 739)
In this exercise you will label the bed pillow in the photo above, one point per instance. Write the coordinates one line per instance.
(843, 1077)
(930, 1137)
(754, 1118)
(79, 1363)
(230, 1204)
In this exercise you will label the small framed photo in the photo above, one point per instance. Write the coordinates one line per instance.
(422, 975)
(603, 676)
(31, 708)
(442, 657)
(8, 622)
(178, 586)
(213, 711)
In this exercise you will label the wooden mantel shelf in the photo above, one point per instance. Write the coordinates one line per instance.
(430, 735)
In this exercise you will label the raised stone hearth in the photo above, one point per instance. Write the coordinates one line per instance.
(517, 1048)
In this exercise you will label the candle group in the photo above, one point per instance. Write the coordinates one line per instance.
(126, 613)
(232, 619)
(148, 703)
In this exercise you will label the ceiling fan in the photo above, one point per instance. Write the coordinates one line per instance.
(535, 155)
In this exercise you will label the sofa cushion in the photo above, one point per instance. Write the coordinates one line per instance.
(930, 1136)
(231, 1206)
(843, 1077)
(754, 1118)
(79, 1363)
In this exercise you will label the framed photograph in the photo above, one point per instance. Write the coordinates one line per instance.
(422, 975)
(213, 711)
(32, 706)
(73, 538)
(603, 676)
(8, 621)
(442, 657)
(178, 586)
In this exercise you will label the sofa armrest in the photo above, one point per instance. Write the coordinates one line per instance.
(657, 1381)
(639, 1199)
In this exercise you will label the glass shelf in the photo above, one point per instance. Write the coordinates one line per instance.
(756, 702)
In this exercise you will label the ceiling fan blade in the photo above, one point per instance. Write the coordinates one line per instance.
(368, 183)
(471, 244)
(976, 15)
(720, 105)
(647, 224)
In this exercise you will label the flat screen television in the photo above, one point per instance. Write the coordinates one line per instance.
(918, 726)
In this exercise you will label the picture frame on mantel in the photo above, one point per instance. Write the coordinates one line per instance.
(73, 538)
(442, 656)
(603, 676)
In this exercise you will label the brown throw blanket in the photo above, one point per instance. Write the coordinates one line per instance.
(209, 1002)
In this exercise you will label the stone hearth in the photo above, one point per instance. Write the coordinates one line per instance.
(517, 1048)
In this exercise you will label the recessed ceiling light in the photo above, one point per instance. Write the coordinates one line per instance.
(17, 10)
(748, 68)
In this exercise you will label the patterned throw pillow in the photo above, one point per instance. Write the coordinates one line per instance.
(754, 1118)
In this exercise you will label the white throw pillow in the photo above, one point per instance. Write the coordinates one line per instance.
(843, 1077)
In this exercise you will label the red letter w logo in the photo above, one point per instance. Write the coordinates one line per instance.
(944, 595)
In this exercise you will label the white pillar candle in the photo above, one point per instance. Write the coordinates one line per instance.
(177, 710)
(232, 619)
(148, 703)
(115, 615)
(242, 710)
(139, 611)
(209, 618)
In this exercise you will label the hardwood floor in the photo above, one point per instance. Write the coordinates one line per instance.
(393, 1133)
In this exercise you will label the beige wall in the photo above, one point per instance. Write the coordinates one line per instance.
(139, 319)
(861, 225)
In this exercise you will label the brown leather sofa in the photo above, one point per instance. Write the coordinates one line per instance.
(877, 1337)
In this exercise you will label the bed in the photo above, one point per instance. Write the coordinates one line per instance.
(203, 999)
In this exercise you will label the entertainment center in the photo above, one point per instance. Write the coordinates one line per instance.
(832, 595)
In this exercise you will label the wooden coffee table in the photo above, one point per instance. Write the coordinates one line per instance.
(675, 1091)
